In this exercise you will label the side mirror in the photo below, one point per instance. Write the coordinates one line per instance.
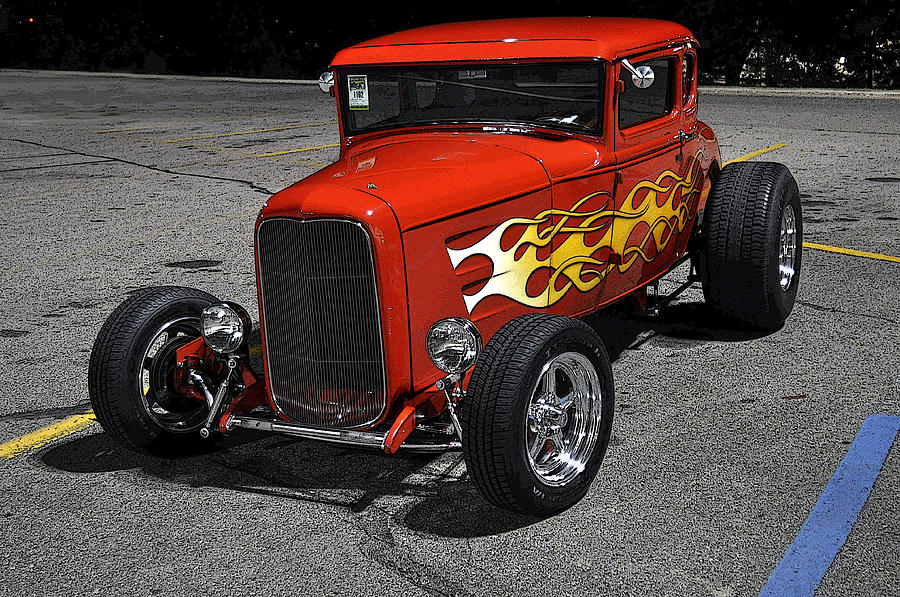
(326, 81)
(642, 76)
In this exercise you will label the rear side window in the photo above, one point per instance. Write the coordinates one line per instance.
(687, 78)
(638, 105)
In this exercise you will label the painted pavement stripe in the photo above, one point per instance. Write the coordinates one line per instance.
(853, 252)
(267, 130)
(753, 154)
(172, 123)
(825, 531)
(274, 153)
(45, 435)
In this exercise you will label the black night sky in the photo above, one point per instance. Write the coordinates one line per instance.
(776, 43)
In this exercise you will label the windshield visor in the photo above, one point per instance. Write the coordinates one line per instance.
(564, 96)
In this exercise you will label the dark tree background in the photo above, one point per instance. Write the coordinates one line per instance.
(771, 42)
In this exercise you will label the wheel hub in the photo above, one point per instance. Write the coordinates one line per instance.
(547, 416)
(563, 418)
(787, 248)
(161, 402)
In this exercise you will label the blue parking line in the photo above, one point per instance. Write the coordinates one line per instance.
(824, 532)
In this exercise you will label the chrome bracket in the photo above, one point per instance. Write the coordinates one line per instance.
(653, 308)
(450, 386)
(215, 402)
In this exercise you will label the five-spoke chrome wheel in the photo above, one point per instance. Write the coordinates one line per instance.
(538, 414)
(787, 247)
(133, 366)
(563, 418)
(162, 403)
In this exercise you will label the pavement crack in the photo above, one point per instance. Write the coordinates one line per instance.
(378, 545)
(251, 184)
(381, 548)
(845, 312)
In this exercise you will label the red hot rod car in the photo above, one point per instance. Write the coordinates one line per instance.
(496, 181)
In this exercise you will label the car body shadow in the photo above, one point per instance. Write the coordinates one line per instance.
(444, 501)
(691, 322)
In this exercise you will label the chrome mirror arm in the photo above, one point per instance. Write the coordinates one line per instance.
(630, 68)
(642, 76)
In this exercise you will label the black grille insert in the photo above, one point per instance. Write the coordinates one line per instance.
(324, 357)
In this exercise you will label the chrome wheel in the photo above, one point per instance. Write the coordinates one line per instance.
(787, 253)
(168, 409)
(562, 420)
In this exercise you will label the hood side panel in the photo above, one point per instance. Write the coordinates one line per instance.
(446, 279)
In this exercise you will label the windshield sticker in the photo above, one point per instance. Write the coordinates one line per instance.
(472, 74)
(359, 92)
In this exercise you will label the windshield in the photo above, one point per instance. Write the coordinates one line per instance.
(562, 95)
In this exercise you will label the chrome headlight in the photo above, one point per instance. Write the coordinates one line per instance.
(225, 326)
(453, 344)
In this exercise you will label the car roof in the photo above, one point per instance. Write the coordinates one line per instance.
(529, 39)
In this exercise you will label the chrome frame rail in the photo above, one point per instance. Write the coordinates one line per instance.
(348, 437)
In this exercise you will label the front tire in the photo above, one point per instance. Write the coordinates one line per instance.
(751, 247)
(131, 371)
(538, 414)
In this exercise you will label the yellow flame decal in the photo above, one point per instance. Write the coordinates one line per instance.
(573, 260)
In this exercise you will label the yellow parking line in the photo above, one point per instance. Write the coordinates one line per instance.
(853, 252)
(753, 154)
(268, 130)
(60, 429)
(42, 437)
(157, 125)
(274, 153)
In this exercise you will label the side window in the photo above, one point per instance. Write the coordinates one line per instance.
(638, 105)
(687, 78)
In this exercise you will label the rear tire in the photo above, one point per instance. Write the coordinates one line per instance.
(538, 414)
(131, 367)
(751, 246)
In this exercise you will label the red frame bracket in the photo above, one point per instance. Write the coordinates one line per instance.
(405, 423)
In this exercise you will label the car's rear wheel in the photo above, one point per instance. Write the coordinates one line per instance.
(132, 369)
(538, 414)
(751, 246)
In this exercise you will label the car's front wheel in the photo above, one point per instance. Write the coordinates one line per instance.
(538, 414)
(132, 369)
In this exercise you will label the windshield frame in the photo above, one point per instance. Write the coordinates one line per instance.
(344, 108)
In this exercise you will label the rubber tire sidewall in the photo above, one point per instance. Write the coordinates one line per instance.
(494, 443)
(116, 359)
(782, 301)
(547, 499)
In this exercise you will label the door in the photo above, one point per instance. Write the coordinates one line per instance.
(657, 182)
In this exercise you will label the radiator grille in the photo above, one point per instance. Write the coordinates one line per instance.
(324, 357)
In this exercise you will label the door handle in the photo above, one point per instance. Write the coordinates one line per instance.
(683, 136)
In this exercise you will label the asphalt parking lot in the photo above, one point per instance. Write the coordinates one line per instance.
(723, 441)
